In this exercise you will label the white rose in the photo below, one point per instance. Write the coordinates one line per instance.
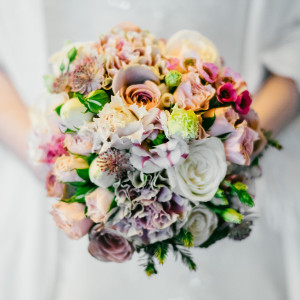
(65, 168)
(200, 175)
(98, 203)
(99, 176)
(187, 41)
(73, 114)
(201, 224)
(79, 144)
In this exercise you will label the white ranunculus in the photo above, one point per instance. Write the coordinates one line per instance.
(201, 223)
(73, 114)
(200, 175)
(99, 176)
(186, 41)
(65, 168)
(98, 203)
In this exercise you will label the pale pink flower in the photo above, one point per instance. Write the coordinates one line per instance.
(239, 146)
(209, 72)
(224, 122)
(191, 94)
(79, 144)
(228, 75)
(71, 219)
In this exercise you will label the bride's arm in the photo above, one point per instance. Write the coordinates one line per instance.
(14, 119)
(276, 102)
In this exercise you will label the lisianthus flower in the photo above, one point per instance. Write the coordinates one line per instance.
(88, 76)
(152, 215)
(243, 102)
(71, 219)
(198, 177)
(160, 157)
(183, 122)
(239, 146)
(191, 94)
(209, 72)
(226, 93)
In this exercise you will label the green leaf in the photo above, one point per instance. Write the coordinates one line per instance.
(72, 54)
(68, 130)
(76, 183)
(241, 190)
(113, 204)
(83, 173)
(220, 233)
(96, 101)
(81, 192)
(271, 142)
(208, 122)
(48, 81)
(150, 268)
(161, 251)
(58, 108)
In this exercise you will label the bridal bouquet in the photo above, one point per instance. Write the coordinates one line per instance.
(150, 146)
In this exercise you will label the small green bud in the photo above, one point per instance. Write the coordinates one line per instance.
(173, 79)
(232, 216)
(72, 54)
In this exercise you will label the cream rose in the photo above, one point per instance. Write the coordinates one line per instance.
(186, 41)
(201, 224)
(199, 176)
(65, 168)
(71, 219)
(98, 203)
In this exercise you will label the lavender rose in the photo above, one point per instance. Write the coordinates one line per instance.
(108, 245)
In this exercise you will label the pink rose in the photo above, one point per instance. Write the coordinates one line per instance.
(191, 94)
(71, 219)
(224, 122)
(108, 245)
(243, 102)
(98, 203)
(239, 146)
(209, 72)
(54, 187)
(226, 93)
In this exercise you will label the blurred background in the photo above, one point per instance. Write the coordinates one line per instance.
(258, 38)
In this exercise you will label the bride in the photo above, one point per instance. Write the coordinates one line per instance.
(260, 39)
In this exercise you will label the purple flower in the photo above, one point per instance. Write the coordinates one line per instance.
(108, 245)
(243, 102)
(209, 72)
(226, 93)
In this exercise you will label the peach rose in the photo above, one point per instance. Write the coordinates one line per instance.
(71, 219)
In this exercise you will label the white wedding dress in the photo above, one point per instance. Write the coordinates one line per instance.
(38, 262)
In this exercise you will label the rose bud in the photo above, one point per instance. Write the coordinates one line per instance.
(226, 93)
(71, 219)
(243, 102)
(108, 245)
(73, 114)
(98, 203)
